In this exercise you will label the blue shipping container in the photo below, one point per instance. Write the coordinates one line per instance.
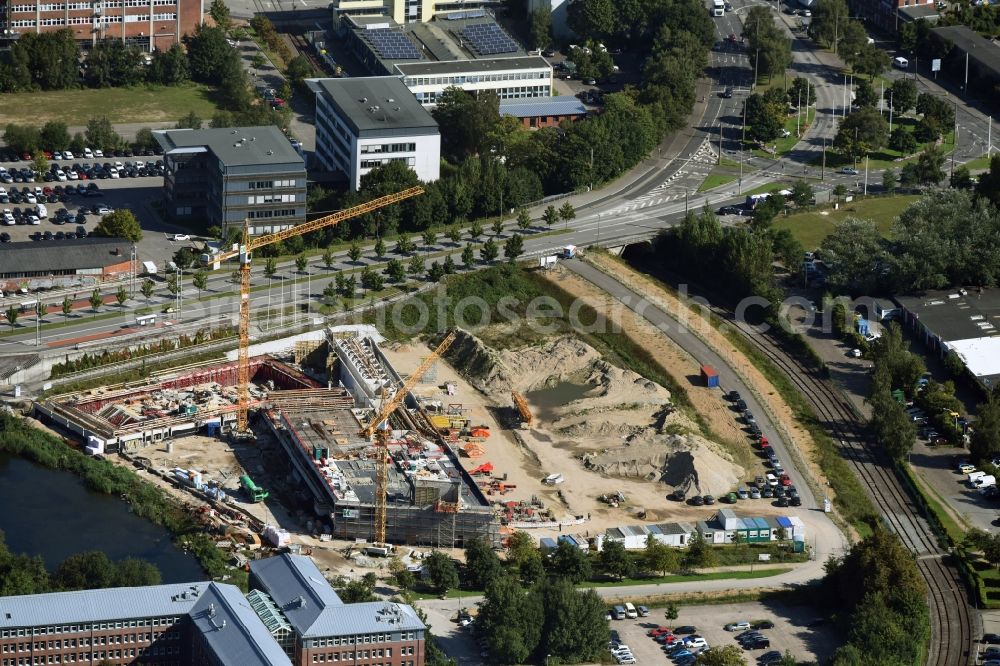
(710, 376)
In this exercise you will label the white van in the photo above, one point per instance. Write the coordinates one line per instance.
(41, 211)
(900, 63)
(986, 481)
(630, 611)
(974, 477)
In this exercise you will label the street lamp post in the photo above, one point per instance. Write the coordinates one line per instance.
(866, 175)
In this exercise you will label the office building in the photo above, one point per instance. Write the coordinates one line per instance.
(224, 176)
(520, 77)
(292, 617)
(362, 123)
(149, 24)
(324, 629)
(410, 11)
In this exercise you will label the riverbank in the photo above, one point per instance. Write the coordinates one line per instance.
(18, 437)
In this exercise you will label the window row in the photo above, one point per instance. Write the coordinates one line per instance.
(271, 198)
(476, 78)
(96, 626)
(375, 148)
(270, 184)
(258, 214)
(91, 657)
(371, 164)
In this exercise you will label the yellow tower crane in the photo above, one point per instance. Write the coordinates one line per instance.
(245, 252)
(374, 427)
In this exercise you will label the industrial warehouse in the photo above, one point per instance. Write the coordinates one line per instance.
(317, 407)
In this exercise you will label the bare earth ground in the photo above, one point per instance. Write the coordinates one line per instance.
(655, 293)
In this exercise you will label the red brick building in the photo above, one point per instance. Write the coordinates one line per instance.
(543, 111)
(151, 24)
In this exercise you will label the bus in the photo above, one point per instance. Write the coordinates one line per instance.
(145, 320)
(718, 8)
(256, 494)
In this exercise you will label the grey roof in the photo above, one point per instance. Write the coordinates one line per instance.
(916, 12)
(64, 255)
(375, 103)
(232, 630)
(531, 107)
(262, 145)
(298, 588)
(313, 608)
(980, 50)
(99, 605)
(675, 528)
(468, 66)
(950, 315)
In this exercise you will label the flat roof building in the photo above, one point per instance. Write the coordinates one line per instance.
(964, 321)
(511, 78)
(970, 59)
(362, 123)
(227, 175)
(99, 257)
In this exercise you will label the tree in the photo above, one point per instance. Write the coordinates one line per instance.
(769, 50)
(454, 234)
(54, 135)
(416, 265)
(802, 193)
(220, 14)
(371, 280)
(482, 565)
(870, 60)
(801, 92)
(379, 248)
(540, 27)
(862, 132)
(395, 270)
(133, 572)
(615, 560)
(765, 116)
(22, 138)
(828, 19)
(596, 19)
(270, 267)
(961, 178)
(96, 300)
(113, 63)
(121, 296)
(930, 166)
(210, 57)
(569, 562)
(429, 238)
(120, 224)
(728, 655)
(902, 140)
(354, 252)
(988, 186)
(173, 285)
(12, 314)
(497, 226)
(148, 286)
(511, 620)
(67, 306)
(660, 557)
(85, 571)
(404, 245)
(258, 61)
(169, 68)
(40, 164)
(101, 134)
(468, 122)
(699, 554)
(475, 229)
(328, 258)
(189, 121)
(985, 441)
(523, 219)
(200, 281)
(574, 629)
(441, 572)
(468, 256)
(855, 253)
(889, 180)
(671, 612)
(435, 273)
(449, 265)
(903, 95)
(513, 247)
(865, 94)
(298, 69)
(301, 262)
(489, 251)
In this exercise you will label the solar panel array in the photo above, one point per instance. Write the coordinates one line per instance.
(392, 45)
(488, 39)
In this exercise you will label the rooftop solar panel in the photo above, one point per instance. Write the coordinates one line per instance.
(489, 39)
(392, 45)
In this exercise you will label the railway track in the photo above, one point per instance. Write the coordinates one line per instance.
(951, 617)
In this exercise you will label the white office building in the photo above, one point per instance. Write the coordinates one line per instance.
(510, 78)
(362, 123)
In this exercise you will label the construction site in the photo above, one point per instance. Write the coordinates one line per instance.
(316, 403)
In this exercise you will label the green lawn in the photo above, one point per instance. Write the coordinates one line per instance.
(810, 228)
(765, 188)
(784, 144)
(888, 158)
(141, 104)
(714, 180)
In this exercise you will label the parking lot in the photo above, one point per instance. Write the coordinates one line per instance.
(138, 194)
(791, 630)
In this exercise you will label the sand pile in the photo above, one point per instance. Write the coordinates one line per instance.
(614, 420)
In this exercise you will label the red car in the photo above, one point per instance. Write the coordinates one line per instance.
(659, 630)
(785, 480)
(764, 443)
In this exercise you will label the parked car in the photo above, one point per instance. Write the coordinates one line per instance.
(742, 625)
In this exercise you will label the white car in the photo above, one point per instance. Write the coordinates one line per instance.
(695, 642)
(30, 198)
(98, 153)
(104, 209)
(8, 217)
(113, 172)
(118, 165)
(61, 176)
(33, 219)
(68, 155)
(181, 237)
(72, 175)
(57, 155)
(742, 625)
(626, 659)
(855, 353)
(88, 153)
